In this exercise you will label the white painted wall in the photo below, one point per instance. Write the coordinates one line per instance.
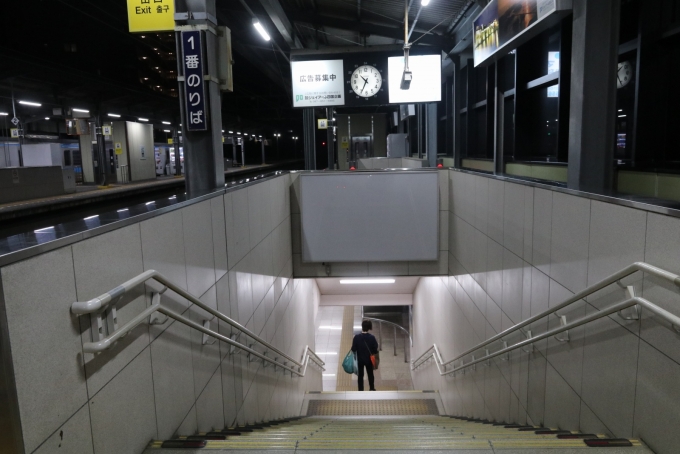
(515, 251)
(367, 300)
(232, 251)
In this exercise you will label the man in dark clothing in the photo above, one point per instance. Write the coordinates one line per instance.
(365, 345)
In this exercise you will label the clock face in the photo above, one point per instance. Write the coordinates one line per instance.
(366, 81)
(624, 74)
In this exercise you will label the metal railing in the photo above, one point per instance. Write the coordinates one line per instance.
(407, 335)
(103, 314)
(565, 326)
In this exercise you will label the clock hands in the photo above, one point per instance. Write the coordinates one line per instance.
(365, 83)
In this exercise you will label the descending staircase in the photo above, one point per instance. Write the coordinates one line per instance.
(404, 433)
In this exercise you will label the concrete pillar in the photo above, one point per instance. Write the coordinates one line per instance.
(431, 136)
(310, 139)
(203, 151)
(592, 115)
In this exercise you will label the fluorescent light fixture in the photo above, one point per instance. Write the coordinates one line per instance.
(29, 103)
(231, 132)
(91, 217)
(357, 327)
(123, 210)
(166, 130)
(425, 2)
(329, 375)
(367, 281)
(258, 26)
(151, 203)
(47, 118)
(622, 116)
(81, 110)
(238, 133)
(166, 123)
(327, 353)
(172, 198)
(223, 130)
(3, 114)
(330, 327)
(46, 229)
(114, 115)
(143, 119)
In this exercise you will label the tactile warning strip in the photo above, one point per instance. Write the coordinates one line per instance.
(409, 407)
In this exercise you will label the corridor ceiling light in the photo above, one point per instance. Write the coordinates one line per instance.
(329, 375)
(151, 203)
(166, 130)
(166, 122)
(44, 230)
(238, 133)
(123, 210)
(425, 2)
(330, 327)
(114, 115)
(47, 118)
(91, 217)
(143, 119)
(81, 110)
(231, 132)
(3, 114)
(29, 103)
(258, 26)
(622, 116)
(367, 281)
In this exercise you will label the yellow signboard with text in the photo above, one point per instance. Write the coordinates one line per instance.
(151, 15)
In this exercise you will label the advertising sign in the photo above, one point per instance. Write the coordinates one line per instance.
(502, 21)
(192, 59)
(151, 15)
(426, 85)
(318, 83)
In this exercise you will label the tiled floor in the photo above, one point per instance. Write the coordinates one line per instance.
(393, 373)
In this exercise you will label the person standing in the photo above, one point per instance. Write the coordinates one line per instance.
(365, 345)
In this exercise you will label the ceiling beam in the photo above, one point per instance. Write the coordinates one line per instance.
(281, 22)
(396, 32)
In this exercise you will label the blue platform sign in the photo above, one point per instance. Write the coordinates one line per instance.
(192, 55)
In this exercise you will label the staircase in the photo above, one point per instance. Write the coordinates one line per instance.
(400, 433)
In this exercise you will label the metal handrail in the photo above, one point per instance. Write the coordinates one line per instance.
(102, 302)
(393, 324)
(564, 327)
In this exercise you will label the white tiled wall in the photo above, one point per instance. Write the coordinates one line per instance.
(233, 252)
(438, 267)
(516, 250)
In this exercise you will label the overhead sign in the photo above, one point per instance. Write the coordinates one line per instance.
(192, 60)
(14, 133)
(318, 83)
(323, 123)
(151, 15)
(502, 22)
(426, 85)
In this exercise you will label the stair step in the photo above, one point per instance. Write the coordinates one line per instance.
(184, 444)
(608, 442)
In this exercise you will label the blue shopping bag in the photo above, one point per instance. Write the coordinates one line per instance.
(349, 364)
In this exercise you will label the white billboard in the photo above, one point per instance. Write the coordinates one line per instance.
(318, 83)
(426, 85)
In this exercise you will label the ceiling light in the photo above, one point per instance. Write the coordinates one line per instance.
(3, 114)
(80, 110)
(330, 327)
(114, 115)
(238, 133)
(326, 353)
(622, 116)
(91, 217)
(166, 130)
(29, 103)
(231, 132)
(329, 375)
(425, 2)
(47, 118)
(261, 30)
(44, 230)
(143, 119)
(367, 281)
(151, 203)
(166, 123)
(123, 210)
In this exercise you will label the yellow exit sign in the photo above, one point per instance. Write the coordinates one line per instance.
(151, 15)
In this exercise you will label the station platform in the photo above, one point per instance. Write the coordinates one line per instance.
(86, 195)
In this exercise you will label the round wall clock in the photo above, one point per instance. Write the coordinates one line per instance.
(624, 74)
(366, 81)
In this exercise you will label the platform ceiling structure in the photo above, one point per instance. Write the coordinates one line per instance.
(75, 52)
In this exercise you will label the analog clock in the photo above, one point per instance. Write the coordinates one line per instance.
(366, 81)
(624, 74)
